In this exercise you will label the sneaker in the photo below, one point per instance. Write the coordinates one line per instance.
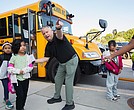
(114, 99)
(9, 105)
(117, 96)
(53, 100)
(68, 107)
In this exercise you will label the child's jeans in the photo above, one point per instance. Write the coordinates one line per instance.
(111, 83)
(5, 86)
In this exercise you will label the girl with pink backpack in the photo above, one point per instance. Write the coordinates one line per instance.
(114, 68)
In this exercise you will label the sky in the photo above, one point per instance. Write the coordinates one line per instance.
(118, 13)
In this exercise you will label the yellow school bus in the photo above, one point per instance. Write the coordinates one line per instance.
(26, 23)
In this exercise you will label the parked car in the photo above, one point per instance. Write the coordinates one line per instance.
(102, 47)
(120, 45)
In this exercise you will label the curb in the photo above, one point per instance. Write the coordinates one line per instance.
(127, 79)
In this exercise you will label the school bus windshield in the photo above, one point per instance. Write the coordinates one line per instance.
(43, 19)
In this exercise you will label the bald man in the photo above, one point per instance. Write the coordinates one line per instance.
(59, 47)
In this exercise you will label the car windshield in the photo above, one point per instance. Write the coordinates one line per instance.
(119, 44)
(124, 43)
(43, 19)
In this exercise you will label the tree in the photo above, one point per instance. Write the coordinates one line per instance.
(128, 35)
(106, 38)
(120, 36)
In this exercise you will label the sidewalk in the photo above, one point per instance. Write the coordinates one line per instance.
(127, 73)
(92, 98)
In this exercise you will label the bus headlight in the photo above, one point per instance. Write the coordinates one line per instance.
(90, 55)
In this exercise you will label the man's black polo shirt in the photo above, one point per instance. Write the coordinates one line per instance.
(62, 50)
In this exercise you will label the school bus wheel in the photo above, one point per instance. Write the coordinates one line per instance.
(52, 70)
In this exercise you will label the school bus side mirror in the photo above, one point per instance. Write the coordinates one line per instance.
(102, 23)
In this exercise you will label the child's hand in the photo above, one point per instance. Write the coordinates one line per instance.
(109, 58)
(106, 60)
(21, 72)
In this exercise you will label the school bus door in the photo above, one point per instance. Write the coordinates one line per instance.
(31, 30)
(32, 43)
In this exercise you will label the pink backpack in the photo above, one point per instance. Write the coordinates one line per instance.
(10, 86)
(113, 67)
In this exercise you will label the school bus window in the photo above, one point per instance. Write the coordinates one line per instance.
(24, 27)
(16, 25)
(67, 27)
(43, 19)
(3, 29)
(33, 23)
(24, 22)
(39, 21)
(10, 25)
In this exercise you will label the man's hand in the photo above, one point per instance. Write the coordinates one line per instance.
(42, 60)
(59, 24)
(59, 33)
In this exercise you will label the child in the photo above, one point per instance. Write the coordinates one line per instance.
(19, 68)
(112, 74)
(4, 58)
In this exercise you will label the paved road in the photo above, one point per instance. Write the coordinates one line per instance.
(89, 94)
(97, 80)
(91, 98)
